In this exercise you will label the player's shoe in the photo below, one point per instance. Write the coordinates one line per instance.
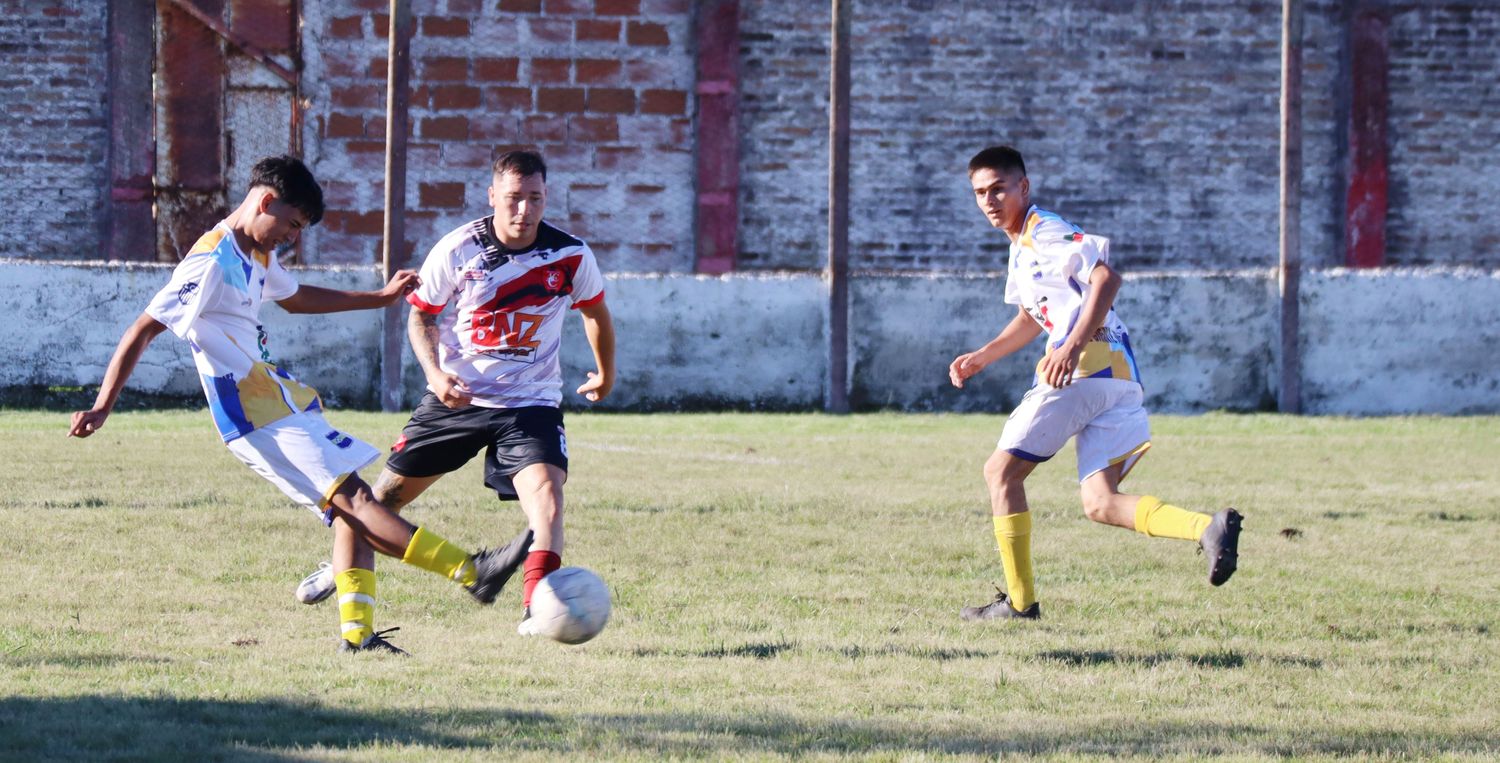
(527, 626)
(1221, 544)
(494, 566)
(317, 586)
(375, 643)
(1000, 609)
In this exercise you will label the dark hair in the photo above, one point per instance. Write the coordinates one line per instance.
(999, 159)
(293, 183)
(523, 163)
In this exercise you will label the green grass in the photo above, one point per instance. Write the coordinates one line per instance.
(785, 588)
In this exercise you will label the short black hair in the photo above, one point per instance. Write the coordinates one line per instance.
(524, 163)
(293, 183)
(999, 159)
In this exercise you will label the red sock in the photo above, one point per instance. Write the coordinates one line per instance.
(538, 564)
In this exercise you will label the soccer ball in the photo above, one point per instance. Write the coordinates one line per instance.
(570, 605)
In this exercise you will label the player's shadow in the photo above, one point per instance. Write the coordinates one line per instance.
(1220, 660)
(103, 727)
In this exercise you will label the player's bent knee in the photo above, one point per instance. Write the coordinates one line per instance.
(1096, 506)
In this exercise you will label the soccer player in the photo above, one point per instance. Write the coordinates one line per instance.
(1086, 385)
(268, 419)
(486, 328)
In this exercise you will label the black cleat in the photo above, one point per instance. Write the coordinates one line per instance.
(494, 566)
(1221, 542)
(375, 643)
(1000, 609)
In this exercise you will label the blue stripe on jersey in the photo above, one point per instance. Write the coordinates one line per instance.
(224, 405)
(236, 271)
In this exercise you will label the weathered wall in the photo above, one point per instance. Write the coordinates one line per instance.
(1374, 342)
(53, 135)
(68, 317)
(1419, 341)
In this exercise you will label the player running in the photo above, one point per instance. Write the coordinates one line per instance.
(268, 419)
(487, 328)
(1087, 385)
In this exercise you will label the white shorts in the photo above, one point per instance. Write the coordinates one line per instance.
(305, 457)
(1105, 414)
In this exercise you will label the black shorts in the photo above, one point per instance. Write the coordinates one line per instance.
(438, 439)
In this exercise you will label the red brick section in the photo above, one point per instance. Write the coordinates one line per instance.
(598, 86)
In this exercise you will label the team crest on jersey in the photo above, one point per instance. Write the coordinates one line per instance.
(554, 280)
(188, 292)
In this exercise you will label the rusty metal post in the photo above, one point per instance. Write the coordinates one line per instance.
(393, 250)
(129, 228)
(838, 211)
(1291, 205)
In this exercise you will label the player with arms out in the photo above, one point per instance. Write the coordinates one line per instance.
(268, 419)
(487, 329)
(1087, 385)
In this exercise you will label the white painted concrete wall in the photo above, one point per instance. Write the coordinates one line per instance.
(1374, 342)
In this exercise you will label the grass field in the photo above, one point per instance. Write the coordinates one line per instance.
(786, 587)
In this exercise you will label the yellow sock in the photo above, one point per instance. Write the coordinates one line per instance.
(1013, 534)
(356, 589)
(429, 551)
(1162, 520)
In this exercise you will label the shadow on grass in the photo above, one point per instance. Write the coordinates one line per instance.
(151, 728)
(760, 651)
(104, 727)
(75, 659)
(1222, 660)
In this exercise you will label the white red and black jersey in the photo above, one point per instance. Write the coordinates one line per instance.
(505, 329)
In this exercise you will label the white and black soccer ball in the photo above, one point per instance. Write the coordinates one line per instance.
(570, 605)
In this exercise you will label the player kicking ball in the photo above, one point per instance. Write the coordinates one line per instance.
(269, 420)
(487, 329)
(1087, 385)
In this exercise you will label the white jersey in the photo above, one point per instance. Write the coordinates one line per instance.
(503, 335)
(1049, 277)
(213, 301)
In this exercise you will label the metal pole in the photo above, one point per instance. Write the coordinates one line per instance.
(392, 253)
(1291, 204)
(838, 212)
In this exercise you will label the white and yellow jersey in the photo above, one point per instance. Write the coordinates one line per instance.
(1049, 277)
(213, 301)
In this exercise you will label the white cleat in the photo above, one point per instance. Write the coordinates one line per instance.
(528, 626)
(317, 586)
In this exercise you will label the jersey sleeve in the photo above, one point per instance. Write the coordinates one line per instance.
(1073, 252)
(195, 283)
(1012, 285)
(280, 283)
(439, 276)
(588, 282)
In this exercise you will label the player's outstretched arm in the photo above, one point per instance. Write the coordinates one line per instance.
(135, 341)
(1016, 334)
(320, 299)
(600, 330)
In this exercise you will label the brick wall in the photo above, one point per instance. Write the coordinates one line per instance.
(1154, 123)
(1445, 133)
(52, 144)
(602, 87)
